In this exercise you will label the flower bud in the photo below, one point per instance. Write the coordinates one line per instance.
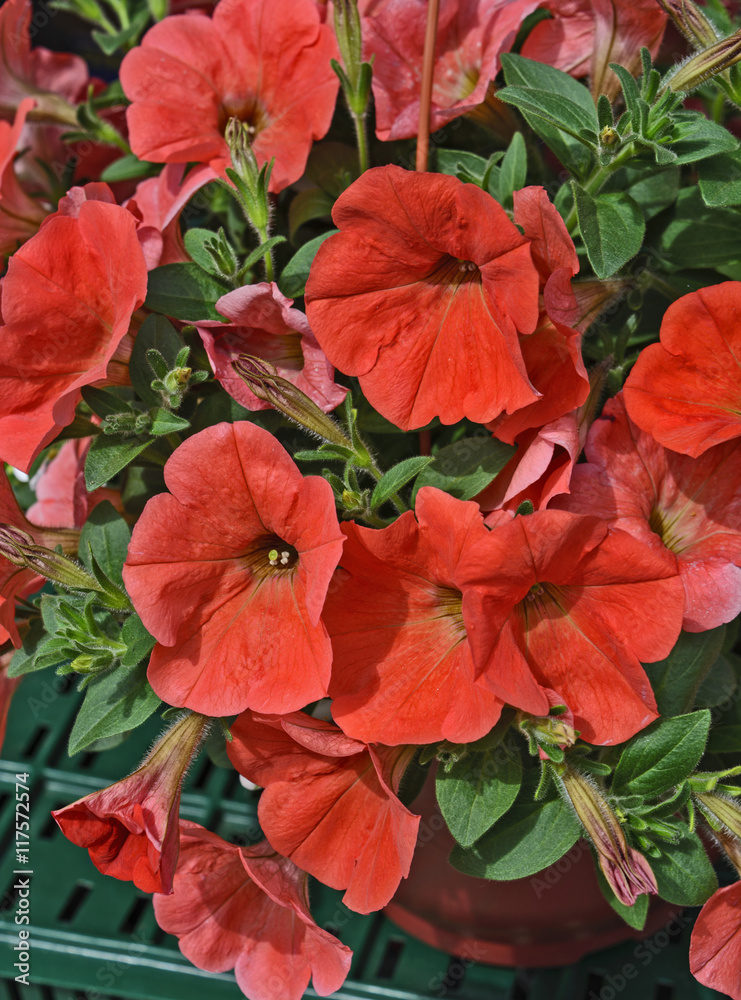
(265, 382)
(626, 870)
(349, 38)
(691, 22)
(21, 549)
(708, 63)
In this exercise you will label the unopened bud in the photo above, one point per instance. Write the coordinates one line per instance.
(21, 549)
(263, 380)
(721, 811)
(349, 39)
(691, 22)
(626, 870)
(708, 63)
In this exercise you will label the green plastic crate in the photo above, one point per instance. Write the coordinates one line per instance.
(95, 938)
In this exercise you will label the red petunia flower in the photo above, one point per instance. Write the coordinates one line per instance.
(584, 36)
(247, 909)
(229, 571)
(691, 506)
(686, 391)
(329, 803)
(54, 79)
(264, 324)
(16, 581)
(715, 948)
(267, 64)
(401, 630)
(130, 829)
(540, 469)
(68, 298)
(471, 36)
(423, 294)
(8, 687)
(159, 201)
(20, 215)
(62, 499)
(562, 603)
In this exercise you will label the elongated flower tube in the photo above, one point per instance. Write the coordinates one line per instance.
(626, 870)
(130, 829)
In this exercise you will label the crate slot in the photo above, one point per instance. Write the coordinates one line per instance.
(50, 829)
(47, 993)
(34, 742)
(595, 983)
(232, 785)
(664, 991)
(13, 991)
(134, 915)
(390, 958)
(520, 988)
(204, 774)
(455, 975)
(76, 898)
(86, 760)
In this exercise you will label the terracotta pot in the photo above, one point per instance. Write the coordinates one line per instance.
(551, 918)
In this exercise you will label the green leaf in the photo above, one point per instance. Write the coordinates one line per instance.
(296, 272)
(106, 535)
(127, 168)
(118, 701)
(194, 241)
(651, 189)
(24, 659)
(684, 875)
(397, 477)
(477, 791)
(699, 236)
(109, 454)
(612, 227)
(466, 467)
(307, 205)
(513, 171)
(110, 43)
(705, 138)
(165, 422)
(676, 680)
(456, 162)
(529, 837)
(158, 334)
(635, 915)
(720, 684)
(184, 291)
(259, 252)
(554, 109)
(528, 73)
(138, 641)
(720, 180)
(662, 755)
(103, 402)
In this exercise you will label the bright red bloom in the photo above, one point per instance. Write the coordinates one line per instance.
(267, 64)
(8, 686)
(160, 200)
(247, 909)
(585, 36)
(15, 581)
(423, 294)
(562, 603)
(53, 79)
(539, 470)
(401, 630)
(691, 506)
(229, 571)
(265, 325)
(130, 829)
(329, 803)
(68, 298)
(686, 391)
(62, 499)
(715, 948)
(20, 215)
(471, 36)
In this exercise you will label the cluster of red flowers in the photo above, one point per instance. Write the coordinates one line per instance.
(262, 602)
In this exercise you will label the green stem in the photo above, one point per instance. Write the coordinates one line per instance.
(596, 181)
(361, 134)
(268, 258)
